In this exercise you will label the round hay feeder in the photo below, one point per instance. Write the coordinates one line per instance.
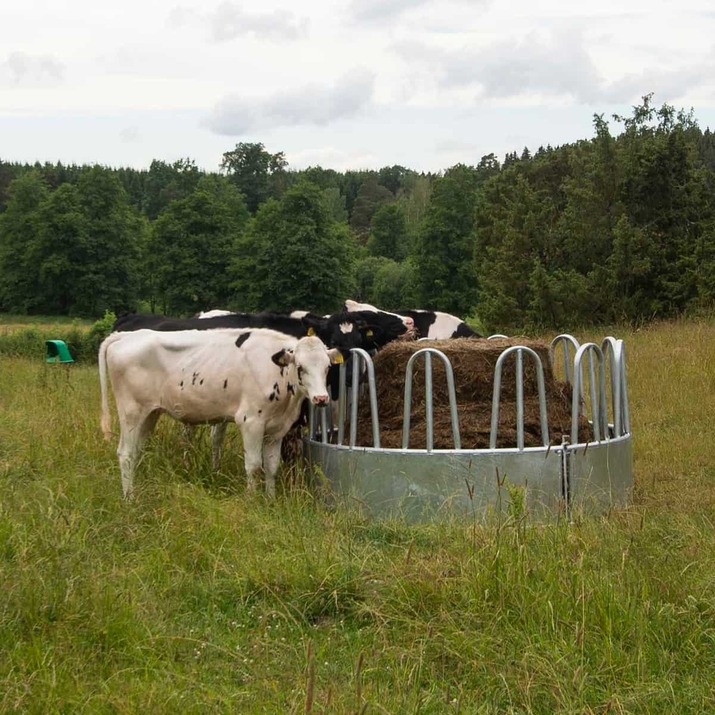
(470, 427)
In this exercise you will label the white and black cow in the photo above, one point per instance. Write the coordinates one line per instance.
(257, 378)
(369, 330)
(431, 324)
(344, 331)
(366, 329)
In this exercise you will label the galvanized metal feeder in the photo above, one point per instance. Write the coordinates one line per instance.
(551, 480)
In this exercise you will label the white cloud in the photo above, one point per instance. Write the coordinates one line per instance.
(333, 157)
(544, 66)
(229, 21)
(127, 83)
(313, 105)
(377, 10)
(27, 70)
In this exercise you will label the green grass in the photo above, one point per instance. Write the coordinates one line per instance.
(197, 597)
(9, 321)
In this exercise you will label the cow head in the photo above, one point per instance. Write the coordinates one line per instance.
(341, 330)
(386, 326)
(311, 360)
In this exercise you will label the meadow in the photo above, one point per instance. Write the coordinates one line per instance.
(197, 597)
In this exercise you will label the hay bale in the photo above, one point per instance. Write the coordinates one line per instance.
(473, 362)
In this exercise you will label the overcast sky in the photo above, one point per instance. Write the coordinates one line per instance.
(346, 84)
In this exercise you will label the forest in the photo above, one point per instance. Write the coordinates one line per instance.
(617, 227)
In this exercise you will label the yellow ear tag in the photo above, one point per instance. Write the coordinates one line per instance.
(311, 331)
(368, 333)
(338, 359)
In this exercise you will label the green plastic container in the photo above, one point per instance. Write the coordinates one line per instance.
(57, 351)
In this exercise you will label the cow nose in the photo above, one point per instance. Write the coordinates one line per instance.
(409, 323)
(320, 400)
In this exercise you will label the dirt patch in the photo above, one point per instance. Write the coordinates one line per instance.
(473, 361)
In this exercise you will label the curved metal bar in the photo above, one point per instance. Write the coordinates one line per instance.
(324, 432)
(598, 398)
(624, 391)
(364, 356)
(566, 341)
(342, 396)
(311, 420)
(496, 396)
(428, 352)
(612, 354)
(498, 335)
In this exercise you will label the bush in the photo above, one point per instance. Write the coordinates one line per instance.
(83, 344)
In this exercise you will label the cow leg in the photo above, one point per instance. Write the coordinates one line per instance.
(252, 433)
(188, 432)
(218, 432)
(135, 428)
(271, 460)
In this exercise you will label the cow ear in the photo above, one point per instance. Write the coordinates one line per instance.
(336, 357)
(283, 358)
(314, 324)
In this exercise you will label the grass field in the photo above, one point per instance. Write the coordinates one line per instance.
(196, 597)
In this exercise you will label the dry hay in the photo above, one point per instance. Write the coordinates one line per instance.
(473, 362)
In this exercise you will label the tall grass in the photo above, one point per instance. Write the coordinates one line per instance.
(197, 597)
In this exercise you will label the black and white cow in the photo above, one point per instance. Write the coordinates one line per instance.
(257, 378)
(431, 324)
(367, 330)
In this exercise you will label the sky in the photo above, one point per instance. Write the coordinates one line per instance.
(349, 84)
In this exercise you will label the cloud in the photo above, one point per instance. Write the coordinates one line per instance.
(669, 84)
(129, 135)
(32, 70)
(555, 65)
(377, 10)
(381, 11)
(312, 104)
(333, 157)
(228, 21)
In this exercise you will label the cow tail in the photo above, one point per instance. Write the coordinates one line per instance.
(106, 420)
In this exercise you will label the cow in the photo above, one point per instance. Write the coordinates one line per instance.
(257, 378)
(344, 331)
(435, 325)
(368, 329)
(430, 324)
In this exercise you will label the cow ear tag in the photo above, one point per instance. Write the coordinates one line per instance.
(369, 333)
(311, 331)
(338, 359)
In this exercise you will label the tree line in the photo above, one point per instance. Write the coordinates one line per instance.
(620, 226)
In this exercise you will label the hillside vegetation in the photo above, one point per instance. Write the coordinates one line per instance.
(196, 597)
(612, 228)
